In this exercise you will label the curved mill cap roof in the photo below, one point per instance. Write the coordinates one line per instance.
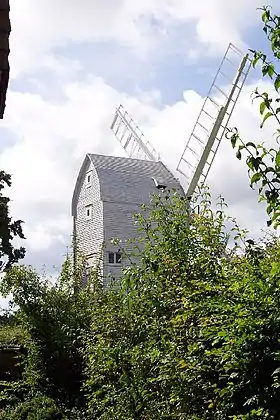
(125, 179)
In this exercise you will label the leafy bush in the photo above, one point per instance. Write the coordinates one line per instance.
(53, 317)
(194, 330)
(39, 407)
(11, 335)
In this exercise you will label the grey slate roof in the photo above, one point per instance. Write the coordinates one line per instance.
(120, 178)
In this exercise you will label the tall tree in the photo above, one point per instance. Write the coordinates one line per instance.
(9, 229)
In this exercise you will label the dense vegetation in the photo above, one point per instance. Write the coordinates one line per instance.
(191, 331)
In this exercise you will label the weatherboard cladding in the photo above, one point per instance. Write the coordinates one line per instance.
(118, 223)
(89, 231)
(118, 187)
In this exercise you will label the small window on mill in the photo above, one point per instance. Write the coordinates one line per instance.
(114, 257)
(88, 212)
(88, 179)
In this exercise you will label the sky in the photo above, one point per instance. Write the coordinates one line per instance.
(72, 63)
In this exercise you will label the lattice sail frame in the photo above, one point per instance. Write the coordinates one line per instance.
(131, 137)
(211, 124)
(209, 129)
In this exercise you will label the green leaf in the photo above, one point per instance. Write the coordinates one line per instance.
(256, 57)
(277, 83)
(265, 70)
(262, 107)
(251, 144)
(256, 177)
(271, 70)
(267, 115)
(234, 140)
(238, 155)
(266, 16)
(256, 162)
(277, 159)
(255, 61)
(275, 216)
(250, 164)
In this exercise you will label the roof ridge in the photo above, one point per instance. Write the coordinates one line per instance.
(123, 157)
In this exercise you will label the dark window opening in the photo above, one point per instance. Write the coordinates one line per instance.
(114, 257)
(88, 178)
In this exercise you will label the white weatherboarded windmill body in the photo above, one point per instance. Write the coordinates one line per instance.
(108, 192)
(109, 189)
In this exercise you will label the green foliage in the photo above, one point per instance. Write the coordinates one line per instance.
(11, 393)
(9, 229)
(11, 334)
(191, 331)
(53, 319)
(263, 162)
(39, 407)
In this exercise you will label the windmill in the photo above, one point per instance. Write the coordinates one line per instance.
(209, 128)
(109, 190)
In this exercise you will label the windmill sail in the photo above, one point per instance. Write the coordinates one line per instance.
(131, 137)
(213, 118)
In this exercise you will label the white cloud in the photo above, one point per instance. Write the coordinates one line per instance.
(42, 235)
(39, 27)
(38, 238)
(53, 139)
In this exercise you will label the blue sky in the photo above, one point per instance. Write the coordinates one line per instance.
(168, 70)
(72, 64)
